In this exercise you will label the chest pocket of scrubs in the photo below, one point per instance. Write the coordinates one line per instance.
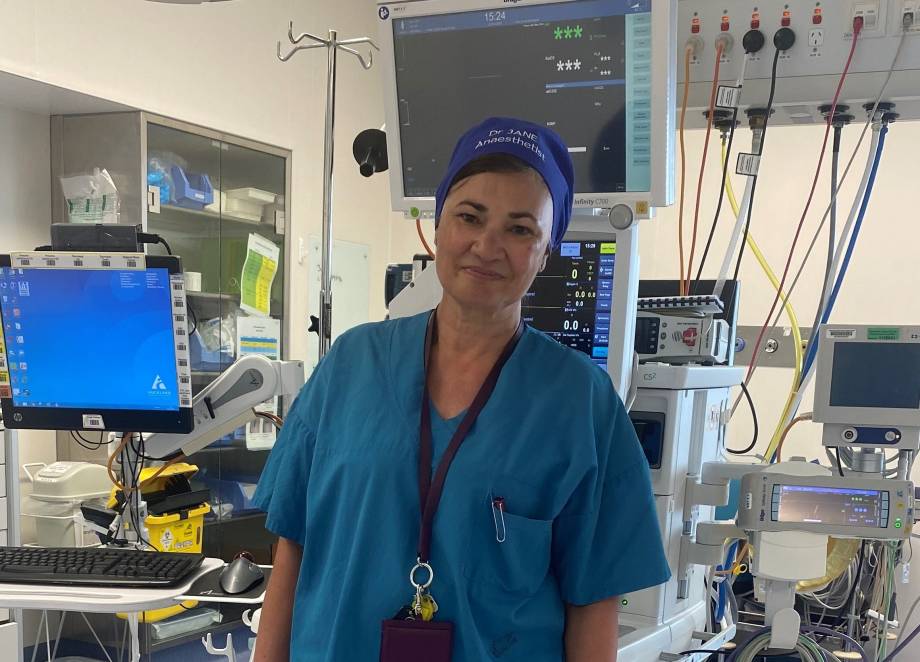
(521, 562)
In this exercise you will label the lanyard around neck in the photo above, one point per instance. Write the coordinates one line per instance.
(430, 488)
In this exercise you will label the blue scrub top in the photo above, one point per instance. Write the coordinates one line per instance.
(554, 441)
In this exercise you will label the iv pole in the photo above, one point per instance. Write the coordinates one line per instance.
(332, 45)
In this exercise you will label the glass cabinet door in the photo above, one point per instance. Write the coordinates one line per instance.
(222, 209)
(252, 251)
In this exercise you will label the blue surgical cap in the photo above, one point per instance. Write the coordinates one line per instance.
(540, 148)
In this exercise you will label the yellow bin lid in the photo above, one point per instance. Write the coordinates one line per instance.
(158, 483)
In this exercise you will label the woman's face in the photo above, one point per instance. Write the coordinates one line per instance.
(492, 238)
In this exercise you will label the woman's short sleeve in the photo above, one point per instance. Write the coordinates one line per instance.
(607, 541)
(282, 490)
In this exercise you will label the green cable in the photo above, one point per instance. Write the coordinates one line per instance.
(889, 589)
(807, 649)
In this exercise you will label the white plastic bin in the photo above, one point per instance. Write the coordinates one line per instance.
(57, 491)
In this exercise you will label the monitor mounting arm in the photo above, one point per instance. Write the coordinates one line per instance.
(227, 403)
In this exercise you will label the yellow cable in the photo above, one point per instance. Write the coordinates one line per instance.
(688, 53)
(787, 306)
(782, 438)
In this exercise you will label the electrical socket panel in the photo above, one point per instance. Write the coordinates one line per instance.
(809, 72)
(824, 33)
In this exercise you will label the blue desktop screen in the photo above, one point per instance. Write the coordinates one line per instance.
(90, 339)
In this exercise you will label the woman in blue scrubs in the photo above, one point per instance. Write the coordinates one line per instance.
(545, 514)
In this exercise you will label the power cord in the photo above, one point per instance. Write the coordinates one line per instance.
(153, 238)
(907, 22)
(839, 463)
(753, 42)
(783, 40)
(192, 316)
(710, 117)
(753, 443)
(688, 53)
(85, 443)
(857, 29)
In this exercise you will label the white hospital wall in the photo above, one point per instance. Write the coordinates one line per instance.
(25, 206)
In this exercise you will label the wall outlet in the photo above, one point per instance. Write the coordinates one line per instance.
(869, 12)
(874, 17)
(909, 17)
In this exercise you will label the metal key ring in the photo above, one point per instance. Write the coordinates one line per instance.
(421, 566)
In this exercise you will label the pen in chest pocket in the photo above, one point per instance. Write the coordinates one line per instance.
(498, 516)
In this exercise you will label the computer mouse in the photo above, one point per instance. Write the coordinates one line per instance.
(240, 575)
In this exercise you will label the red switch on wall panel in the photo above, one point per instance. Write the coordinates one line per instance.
(787, 19)
(817, 17)
(695, 26)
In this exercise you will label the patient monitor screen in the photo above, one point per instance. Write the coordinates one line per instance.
(581, 68)
(571, 299)
(876, 374)
(830, 505)
(90, 338)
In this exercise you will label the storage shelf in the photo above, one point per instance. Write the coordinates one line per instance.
(208, 305)
(227, 221)
(212, 296)
(207, 374)
(225, 216)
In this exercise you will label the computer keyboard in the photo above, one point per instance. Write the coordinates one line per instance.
(95, 566)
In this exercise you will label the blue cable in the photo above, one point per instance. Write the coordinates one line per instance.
(723, 585)
(825, 316)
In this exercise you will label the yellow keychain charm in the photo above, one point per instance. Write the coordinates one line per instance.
(428, 607)
(425, 606)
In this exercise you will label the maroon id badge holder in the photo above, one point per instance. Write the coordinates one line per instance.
(412, 635)
(416, 641)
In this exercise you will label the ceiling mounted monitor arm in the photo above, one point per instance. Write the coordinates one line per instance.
(227, 403)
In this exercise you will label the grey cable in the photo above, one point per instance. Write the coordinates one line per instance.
(833, 633)
(832, 231)
(831, 234)
(843, 179)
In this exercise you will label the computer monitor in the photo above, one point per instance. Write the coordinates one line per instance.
(603, 266)
(600, 72)
(551, 304)
(94, 341)
(867, 387)
(572, 299)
